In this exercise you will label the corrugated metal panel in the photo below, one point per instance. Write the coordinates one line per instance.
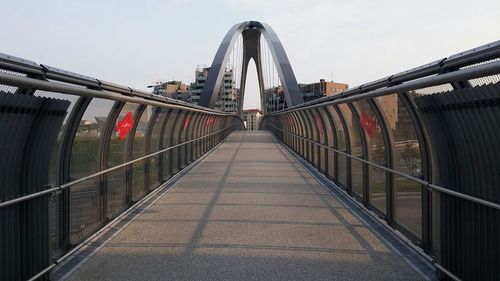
(464, 129)
(29, 128)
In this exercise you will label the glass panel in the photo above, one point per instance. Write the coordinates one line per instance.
(315, 124)
(288, 128)
(154, 177)
(202, 129)
(305, 134)
(117, 179)
(296, 128)
(310, 127)
(408, 194)
(330, 142)
(302, 134)
(85, 199)
(85, 210)
(296, 132)
(195, 119)
(376, 153)
(175, 153)
(356, 150)
(167, 142)
(291, 129)
(286, 124)
(183, 150)
(199, 133)
(208, 122)
(139, 150)
(341, 146)
(54, 171)
(320, 138)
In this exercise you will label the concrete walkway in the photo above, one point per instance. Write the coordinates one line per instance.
(249, 211)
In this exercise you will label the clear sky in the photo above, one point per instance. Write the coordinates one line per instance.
(135, 43)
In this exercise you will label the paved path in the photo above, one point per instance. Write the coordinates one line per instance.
(249, 211)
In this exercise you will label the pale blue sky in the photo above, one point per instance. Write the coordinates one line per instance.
(137, 42)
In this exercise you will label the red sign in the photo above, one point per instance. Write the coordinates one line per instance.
(125, 125)
(186, 122)
(368, 123)
(210, 121)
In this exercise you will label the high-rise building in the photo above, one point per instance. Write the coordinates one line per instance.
(200, 76)
(321, 89)
(228, 95)
(251, 118)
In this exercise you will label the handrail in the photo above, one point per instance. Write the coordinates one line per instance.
(411, 245)
(44, 72)
(57, 261)
(458, 75)
(69, 184)
(20, 81)
(427, 184)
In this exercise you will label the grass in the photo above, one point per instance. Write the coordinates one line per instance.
(400, 186)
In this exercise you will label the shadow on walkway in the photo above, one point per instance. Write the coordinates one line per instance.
(249, 211)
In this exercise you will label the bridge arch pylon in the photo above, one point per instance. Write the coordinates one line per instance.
(251, 32)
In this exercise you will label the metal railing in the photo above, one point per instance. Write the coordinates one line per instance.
(427, 184)
(54, 189)
(40, 95)
(420, 181)
(442, 114)
(59, 260)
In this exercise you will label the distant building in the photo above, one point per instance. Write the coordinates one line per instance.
(404, 124)
(200, 76)
(321, 89)
(274, 99)
(228, 95)
(390, 105)
(172, 89)
(251, 118)
(90, 127)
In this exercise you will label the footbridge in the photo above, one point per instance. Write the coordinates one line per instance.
(396, 179)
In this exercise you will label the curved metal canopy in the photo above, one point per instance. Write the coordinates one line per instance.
(251, 32)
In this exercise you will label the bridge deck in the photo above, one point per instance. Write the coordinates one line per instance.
(247, 211)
